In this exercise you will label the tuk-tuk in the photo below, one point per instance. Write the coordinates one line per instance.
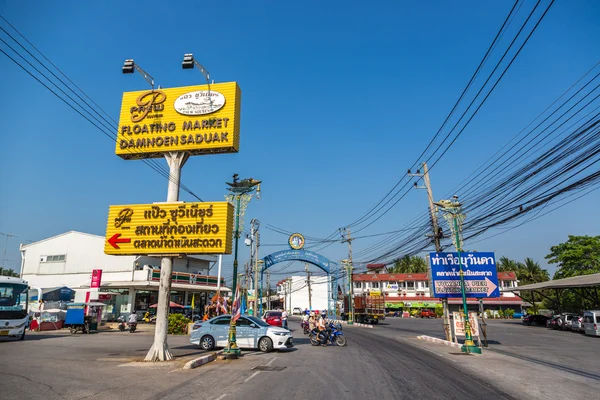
(77, 320)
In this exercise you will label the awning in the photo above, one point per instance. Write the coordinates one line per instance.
(573, 282)
(153, 285)
(59, 293)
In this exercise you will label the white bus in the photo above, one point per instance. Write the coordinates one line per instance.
(14, 295)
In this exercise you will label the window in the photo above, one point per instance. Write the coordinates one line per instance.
(357, 285)
(588, 319)
(242, 322)
(222, 321)
(375, 285)
(58, 258)
(410, 285)
(598, 319)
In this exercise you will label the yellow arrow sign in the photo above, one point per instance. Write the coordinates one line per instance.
(175, 228)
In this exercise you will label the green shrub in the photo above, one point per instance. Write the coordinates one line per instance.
(439, 312)
(501, 313)
(415, 312)
(178, 324)
(509, 312)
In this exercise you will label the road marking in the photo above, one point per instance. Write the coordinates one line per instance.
(270, 362)
(220, 397)
(251, 376)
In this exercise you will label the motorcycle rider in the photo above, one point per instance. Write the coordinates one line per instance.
(323, 331)
(305, 322)
(132, 320)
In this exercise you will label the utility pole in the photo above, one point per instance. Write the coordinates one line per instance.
(8, 236)
(309, 289)
(437, 235)
(268, 291)
(255, 241)
(289, 305)
(347, 238)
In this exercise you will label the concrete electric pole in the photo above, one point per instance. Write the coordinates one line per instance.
(309, 288)
(347, 238)
(437, 235)
(268, 291)
(255, 243)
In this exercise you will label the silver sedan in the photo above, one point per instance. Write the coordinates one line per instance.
(251, 332)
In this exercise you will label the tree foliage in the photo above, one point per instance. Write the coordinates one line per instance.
(580, 255)
(527, 272)
(9, 272)
(409, 265)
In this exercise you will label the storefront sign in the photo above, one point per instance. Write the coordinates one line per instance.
(96, 278)
(177, 228)
(189, 279)
(392, 286)
(198, 119)
(459, 324)
(375, 293)
(479, 271)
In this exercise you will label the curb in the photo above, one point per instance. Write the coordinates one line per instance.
(354, 324)
(439, 341)
(195, 363)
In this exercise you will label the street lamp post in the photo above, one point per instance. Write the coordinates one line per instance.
(241, 194)
(452, 216)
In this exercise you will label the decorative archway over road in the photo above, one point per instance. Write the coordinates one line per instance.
(306, 256)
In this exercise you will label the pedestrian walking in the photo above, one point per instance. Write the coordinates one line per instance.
(284, 318)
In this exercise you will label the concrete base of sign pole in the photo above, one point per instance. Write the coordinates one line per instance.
(232, 354)
(470, 349)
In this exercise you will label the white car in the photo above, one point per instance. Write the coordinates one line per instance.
(251, 333)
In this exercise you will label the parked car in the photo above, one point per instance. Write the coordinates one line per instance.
(576, 324)
(535, 320)
(251, 332)
(553, 322)
(297, 311)
(425, 313)
(565, 321)
(591, 322)
(273, 318)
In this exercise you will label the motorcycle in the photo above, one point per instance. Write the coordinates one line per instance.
(149, 318)
(305, 328)
(335, 336)
(122, 325)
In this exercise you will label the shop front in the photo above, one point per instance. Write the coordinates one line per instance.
(121, 298)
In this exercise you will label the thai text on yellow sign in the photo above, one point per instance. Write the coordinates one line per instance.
(200, 119)
(173, 228)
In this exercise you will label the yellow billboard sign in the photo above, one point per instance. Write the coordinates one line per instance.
(202, 119)
(170, 228)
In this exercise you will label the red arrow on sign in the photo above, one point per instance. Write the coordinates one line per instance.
(114, 240)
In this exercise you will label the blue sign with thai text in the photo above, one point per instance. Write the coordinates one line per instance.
(479, 271)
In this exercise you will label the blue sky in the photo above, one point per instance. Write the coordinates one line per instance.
(339, 98)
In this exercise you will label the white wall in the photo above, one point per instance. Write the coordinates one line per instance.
(299, 295)
(84, 253)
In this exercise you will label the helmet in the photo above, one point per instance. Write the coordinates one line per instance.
(312, 314)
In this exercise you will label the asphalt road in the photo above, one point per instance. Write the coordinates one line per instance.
(386, 362)
(61, 366)
(563, 350)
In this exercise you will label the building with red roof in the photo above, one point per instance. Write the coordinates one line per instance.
(404, 291)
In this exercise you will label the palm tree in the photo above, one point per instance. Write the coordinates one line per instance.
(531, 272)
(409, 264)
(505, 264)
